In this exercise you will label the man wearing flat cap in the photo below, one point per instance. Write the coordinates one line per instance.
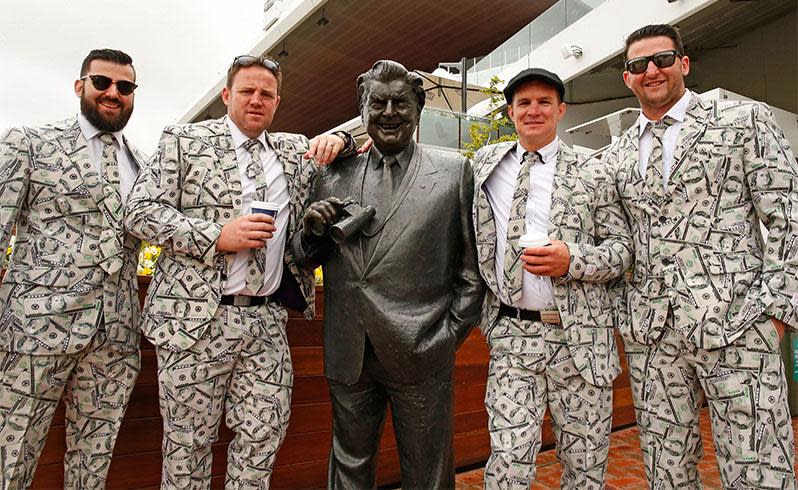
(550, 237)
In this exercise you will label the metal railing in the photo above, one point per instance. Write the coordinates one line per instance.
(519, 47)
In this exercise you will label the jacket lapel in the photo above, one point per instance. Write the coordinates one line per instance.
(564, 184)
(695, 125)
(484, 164)
(416, 168)
(76, 148)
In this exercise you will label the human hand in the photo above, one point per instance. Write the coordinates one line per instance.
(365, 147)
(552, 260)
(246, 232)
(324, 148)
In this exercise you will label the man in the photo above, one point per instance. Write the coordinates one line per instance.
(69, 302)
(216, 307)
(548, 320)
(709, 297)
(400, 295)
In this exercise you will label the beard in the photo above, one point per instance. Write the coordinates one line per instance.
(89, 109)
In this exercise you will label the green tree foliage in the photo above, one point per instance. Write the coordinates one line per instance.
(486, 134)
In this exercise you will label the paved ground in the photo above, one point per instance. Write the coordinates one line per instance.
(625, 469)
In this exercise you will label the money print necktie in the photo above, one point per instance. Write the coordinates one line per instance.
(112, 236)
(513, 267)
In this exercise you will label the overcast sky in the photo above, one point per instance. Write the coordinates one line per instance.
(180, 49)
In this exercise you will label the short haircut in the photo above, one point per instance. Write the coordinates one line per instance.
(655, 30)
(386, 71)
(235, 67)
(105, 54)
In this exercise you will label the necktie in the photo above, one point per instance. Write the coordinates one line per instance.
(389, 181)
(112, 236)
(256, 265)
(255, 168)
(513, 267)
(654, 185)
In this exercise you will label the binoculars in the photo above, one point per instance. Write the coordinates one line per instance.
(353, 217)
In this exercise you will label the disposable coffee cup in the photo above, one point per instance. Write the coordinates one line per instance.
(265, 207)
(528, 240)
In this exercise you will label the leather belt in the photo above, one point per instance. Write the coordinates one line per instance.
(552, 317)
(242, 300)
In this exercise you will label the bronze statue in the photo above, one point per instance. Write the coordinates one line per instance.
(401, 292)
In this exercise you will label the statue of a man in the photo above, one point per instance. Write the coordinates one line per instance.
(401, 293)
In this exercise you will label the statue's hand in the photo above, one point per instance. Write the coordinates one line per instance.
(319, 216)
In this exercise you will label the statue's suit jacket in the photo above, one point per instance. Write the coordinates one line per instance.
(699, 251)
(586, 215)
(55, 296)
(181, 201)
(419, 293)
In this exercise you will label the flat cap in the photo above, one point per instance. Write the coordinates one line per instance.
(533, 74)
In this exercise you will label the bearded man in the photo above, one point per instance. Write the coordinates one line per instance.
(68, 302)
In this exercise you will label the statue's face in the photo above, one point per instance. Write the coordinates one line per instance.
(391, 115)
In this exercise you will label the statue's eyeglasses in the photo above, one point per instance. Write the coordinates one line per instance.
(247, 60)
(101, 83)
(663, 59)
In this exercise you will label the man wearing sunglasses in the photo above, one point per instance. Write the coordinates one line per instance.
(216, 306)
(709, 298)
(68, 302)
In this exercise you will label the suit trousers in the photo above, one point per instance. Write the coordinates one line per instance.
(95, 385)
(745, 386)
(422, 421)
(530, 369)
(240, 369)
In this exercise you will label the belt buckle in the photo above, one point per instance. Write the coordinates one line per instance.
(550, 316)
(241, 300)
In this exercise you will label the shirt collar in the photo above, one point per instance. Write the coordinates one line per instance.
(402, 158)
(677, 112)
(239, 138)
(547, 153)
(90, 131)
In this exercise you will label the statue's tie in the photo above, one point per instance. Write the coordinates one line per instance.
(513, 267)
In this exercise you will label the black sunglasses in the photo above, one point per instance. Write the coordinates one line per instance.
(663, 59)
(248, 60)
(101, 82)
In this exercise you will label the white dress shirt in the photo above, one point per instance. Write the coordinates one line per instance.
(538, 292)
(678, 113)
(128, 169)
(276, 191)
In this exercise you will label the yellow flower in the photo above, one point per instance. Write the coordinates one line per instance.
(319, 275)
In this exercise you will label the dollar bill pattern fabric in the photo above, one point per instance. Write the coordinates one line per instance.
(585, 214)
(513, 268)
(95, 385)
(257, 261)
(531, 369)
(240, 369)
(745, 386)
(704, 279)
(67, 326)
(181, 201)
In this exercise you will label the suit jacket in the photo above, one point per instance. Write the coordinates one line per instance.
(55, 296)
(585, 214)
(419, 293)
(699, 252)
(181, 201)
